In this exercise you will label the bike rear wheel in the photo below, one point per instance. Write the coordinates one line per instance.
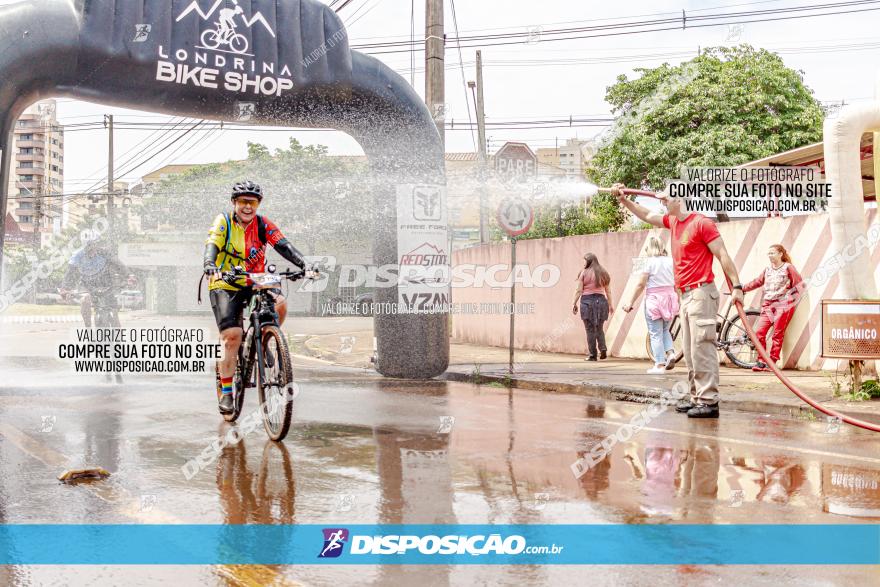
(210, 39)
(737, 345)
(276, 387)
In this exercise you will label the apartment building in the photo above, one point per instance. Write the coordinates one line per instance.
(37, 181)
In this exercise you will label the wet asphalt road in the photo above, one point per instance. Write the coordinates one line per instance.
(369, 450)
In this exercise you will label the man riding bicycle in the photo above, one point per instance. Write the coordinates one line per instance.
(227, 18)
(97, 271)
(239, 240)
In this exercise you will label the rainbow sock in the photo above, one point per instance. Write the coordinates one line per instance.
(226, 385)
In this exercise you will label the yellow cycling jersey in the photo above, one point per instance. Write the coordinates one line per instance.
(241, 246)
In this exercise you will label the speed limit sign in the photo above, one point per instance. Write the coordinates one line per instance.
(515, 216)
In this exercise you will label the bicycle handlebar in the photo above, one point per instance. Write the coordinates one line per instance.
(237, 272)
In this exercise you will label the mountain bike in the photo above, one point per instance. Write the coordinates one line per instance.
(263, 357)
(730, 337)
(215, 38)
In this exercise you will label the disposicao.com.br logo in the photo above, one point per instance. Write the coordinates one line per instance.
(334, 541)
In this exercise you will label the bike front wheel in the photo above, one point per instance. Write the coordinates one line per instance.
(275, 385)
(238, 43)
(737, 345)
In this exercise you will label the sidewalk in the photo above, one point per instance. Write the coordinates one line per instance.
(614, 378)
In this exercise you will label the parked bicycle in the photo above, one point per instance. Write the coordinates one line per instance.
(267, 365)
(730, 337)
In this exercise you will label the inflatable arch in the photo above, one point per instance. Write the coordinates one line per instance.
(289, 58)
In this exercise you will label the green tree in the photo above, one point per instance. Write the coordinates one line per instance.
(305, 189)
(726, 107)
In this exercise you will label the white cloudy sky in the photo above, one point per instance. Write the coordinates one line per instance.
(561, 79)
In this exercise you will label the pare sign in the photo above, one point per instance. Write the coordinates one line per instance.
(515, 161)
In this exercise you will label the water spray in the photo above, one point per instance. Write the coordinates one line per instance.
(762, 352)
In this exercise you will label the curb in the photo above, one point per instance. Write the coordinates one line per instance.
(641, 395)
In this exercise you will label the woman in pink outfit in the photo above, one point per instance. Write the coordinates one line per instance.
(594, 294)
(661, 303)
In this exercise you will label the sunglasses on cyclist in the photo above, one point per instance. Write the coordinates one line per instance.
(252, 202)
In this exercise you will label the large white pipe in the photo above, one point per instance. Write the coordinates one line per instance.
(846, 207)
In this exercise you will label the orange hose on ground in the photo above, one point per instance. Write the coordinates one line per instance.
(765, 357)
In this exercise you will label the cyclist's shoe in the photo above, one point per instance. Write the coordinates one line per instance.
(703, 411)
(684, 406)
(760, 366)
(227, 406)
(603, 355)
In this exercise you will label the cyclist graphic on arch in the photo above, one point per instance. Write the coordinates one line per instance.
(225, 33)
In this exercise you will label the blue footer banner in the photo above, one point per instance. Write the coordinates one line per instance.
(741, 544)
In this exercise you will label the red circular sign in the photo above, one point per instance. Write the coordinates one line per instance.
(515, 216)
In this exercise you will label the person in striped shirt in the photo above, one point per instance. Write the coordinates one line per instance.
(776, 310)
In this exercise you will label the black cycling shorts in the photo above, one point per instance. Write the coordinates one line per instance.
(228, 305)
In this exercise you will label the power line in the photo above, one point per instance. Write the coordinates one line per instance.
(636, 27)
(677, 14)
(343, 5)
(639, 58)
(205, 126)
(467, 102)
(354, 17)
(155, 144)
(138, 144)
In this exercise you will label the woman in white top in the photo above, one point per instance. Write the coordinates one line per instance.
(661, 303)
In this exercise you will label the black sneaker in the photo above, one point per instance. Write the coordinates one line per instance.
(703, 411)
(226, 405)
(603, 355)
(684, 406)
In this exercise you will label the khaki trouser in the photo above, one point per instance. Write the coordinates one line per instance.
(697, 316)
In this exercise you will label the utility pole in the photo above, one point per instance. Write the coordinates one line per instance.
(38, 214)
(108, 122)
(435, 80)
(481, 150)
(39, 189)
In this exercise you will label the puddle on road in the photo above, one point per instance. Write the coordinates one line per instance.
(435, 452)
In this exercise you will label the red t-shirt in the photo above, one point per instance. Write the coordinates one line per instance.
(690, 251)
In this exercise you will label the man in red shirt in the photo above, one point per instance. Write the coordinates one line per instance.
(695, 243)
